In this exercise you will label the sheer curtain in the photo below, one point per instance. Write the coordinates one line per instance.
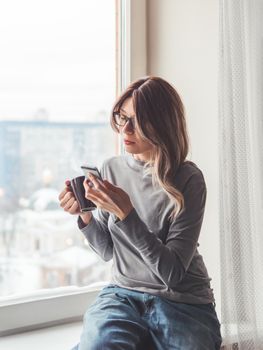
(241, 172)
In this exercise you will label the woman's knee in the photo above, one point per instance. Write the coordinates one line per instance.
(110, 340)
(93, 343)
(111, 333)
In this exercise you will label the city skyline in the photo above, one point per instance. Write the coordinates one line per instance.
(75, 145)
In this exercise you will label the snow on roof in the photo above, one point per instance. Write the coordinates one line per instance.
(44, 198)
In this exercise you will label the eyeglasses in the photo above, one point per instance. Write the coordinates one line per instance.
(121, 120)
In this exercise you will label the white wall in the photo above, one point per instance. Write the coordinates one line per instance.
(138, 42)
(182, 47)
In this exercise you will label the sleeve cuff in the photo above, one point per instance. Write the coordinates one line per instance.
(130, 219)
(81, 224)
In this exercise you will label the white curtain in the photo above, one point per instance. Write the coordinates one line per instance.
(241, 172)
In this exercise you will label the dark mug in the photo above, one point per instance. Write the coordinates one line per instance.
(79, 193)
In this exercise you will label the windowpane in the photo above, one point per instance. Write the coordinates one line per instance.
(57, 86)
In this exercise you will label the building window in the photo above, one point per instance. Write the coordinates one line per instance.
(57, 86)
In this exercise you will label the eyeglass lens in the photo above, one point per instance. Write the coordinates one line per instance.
(122, 120)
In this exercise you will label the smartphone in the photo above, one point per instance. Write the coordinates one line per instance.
(91, 169)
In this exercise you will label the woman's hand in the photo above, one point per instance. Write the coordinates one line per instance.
(69, 203)
(108, 197)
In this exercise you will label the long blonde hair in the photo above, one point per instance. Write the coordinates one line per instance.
(161, 121)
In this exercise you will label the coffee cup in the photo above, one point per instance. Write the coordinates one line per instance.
(79, 193)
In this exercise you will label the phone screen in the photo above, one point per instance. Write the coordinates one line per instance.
(90, 169)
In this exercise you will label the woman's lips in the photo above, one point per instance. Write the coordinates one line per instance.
(127, 142)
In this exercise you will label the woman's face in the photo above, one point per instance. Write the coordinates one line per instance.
(131, 138)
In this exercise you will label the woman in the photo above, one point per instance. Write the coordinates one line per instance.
(151, 204)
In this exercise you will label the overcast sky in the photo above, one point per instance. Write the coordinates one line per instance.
(57, 55)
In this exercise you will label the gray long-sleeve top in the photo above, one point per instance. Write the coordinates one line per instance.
(150, 252)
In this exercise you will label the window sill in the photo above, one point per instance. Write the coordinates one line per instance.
(64, 336)
(45, 308)
(59, 337)
(49, 314)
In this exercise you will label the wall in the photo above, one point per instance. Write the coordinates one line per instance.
(138, 44)
(182, 47)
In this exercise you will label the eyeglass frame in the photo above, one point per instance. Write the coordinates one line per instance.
(130, 120)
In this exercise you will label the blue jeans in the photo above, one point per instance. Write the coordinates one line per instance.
(125, 319)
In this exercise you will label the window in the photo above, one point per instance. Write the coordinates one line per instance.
(57, 86)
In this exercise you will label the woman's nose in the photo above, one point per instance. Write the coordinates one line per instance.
(128, 128)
